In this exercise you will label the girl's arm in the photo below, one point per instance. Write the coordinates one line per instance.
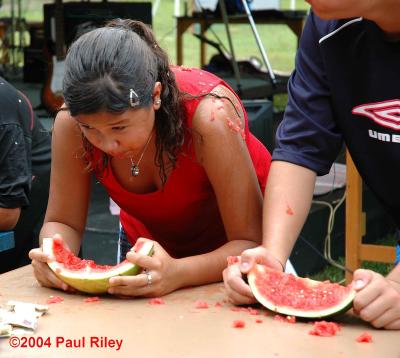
(68, 197)
(218, 135)
(69, 185)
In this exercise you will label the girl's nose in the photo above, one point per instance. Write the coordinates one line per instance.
(112, 146)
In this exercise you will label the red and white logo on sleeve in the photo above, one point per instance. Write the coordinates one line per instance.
(386, 114)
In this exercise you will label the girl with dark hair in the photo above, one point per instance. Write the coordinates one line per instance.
(172, 147)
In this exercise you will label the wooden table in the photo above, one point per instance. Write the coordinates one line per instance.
(177, 328)
(293, 19)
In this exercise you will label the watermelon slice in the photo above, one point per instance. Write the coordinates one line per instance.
(86, 275)
(295, 296)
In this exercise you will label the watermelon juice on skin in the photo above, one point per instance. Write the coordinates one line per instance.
(86, 275)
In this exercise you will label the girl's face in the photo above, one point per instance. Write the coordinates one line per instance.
(118, 135)
(122, 135)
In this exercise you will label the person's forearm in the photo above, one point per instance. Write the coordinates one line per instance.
(287, 202)
(71, 236)
(9, 218)
(207, 268)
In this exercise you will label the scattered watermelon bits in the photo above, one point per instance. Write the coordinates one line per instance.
(279, 318)
(201, 304)
(236, 309)
(92, 299)
(218, 304)
(156, 301)
(289, 210)
(324, 329)
(364, 337)
(238, 323)
(291, 319)
(54, 299)
(287, 319)
(259, 320)
(253, 311)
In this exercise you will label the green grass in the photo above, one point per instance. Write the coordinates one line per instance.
(278, 40)
(335, 274)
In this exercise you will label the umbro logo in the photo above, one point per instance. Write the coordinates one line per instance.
(386, 114)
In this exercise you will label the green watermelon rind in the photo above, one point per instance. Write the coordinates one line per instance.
(94, 282)
(340, 308)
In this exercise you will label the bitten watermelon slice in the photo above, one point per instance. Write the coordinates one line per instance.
(86, 275)
(295, 296)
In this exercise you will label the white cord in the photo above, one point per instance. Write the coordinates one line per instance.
(331, 221)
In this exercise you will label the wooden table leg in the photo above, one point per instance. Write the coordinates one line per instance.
(354, 217)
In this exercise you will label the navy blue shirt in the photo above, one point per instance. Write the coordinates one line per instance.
(346, 87)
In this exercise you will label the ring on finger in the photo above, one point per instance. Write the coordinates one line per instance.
(149, 278)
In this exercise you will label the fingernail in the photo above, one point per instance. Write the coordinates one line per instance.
(64, 287)
(359, 284)
(244, 265)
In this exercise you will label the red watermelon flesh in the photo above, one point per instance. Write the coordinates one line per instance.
(85, 275)
(63, 255)
(295, 296)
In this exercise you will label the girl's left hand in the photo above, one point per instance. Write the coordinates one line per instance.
(159, 277)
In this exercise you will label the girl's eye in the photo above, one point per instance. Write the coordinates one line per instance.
(120, 128)
(85, 126)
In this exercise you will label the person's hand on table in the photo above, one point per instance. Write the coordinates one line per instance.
(44, 275)
(237, 289)
(159, 277)
(377, 299)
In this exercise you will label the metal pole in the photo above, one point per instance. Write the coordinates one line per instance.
(259, 43)
(13, 29)
(228, 34)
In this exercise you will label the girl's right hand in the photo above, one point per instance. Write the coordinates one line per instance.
(43, 273)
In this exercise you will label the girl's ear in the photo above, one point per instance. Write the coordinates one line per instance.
(157, 90)
(157, 96)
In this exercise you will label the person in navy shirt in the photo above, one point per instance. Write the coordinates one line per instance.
(345, 89)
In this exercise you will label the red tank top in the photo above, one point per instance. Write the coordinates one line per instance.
(184, 216)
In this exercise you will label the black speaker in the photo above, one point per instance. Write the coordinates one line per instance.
(260, 114)
(81, 16)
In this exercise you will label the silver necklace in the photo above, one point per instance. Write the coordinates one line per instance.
(135, 166)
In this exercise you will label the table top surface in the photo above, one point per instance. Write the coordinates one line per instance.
(176, 328)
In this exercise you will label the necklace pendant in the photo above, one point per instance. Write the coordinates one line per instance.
(135, 170)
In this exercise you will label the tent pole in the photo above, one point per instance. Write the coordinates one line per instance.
(233, 58)
(259, 43)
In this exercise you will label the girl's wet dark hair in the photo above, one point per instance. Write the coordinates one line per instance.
(105, 64)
